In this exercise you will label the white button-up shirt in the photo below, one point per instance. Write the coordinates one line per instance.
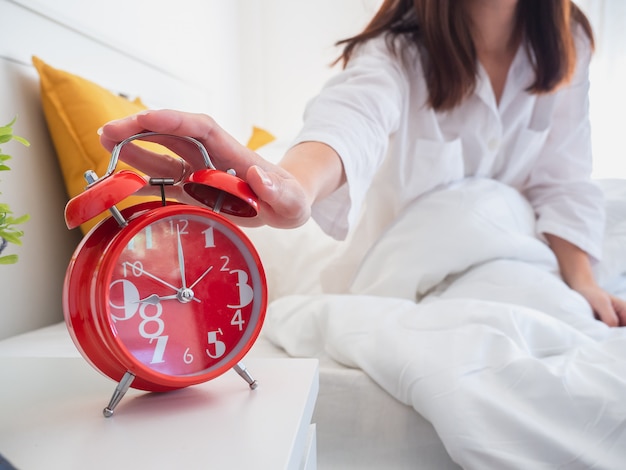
(395, 148)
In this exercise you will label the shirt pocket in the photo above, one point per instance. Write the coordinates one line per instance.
(527, 146)
(431, 164)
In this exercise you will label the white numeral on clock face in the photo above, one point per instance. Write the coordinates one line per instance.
(237, 320)
(147, 235)
(187, 357)
(159, 350)
(147, 330)
(130, 294)
(246, 294)
(179, 227)
(149, 322)
(209, 238)
(219, 348)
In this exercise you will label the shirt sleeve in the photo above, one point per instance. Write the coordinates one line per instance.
(566, 201)
(355, 114)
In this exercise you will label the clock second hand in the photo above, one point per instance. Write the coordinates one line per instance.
(200, 278)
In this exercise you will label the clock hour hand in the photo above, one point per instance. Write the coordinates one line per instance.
(183, 296)
(155, 299)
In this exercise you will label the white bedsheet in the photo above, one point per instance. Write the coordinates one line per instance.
(504, 360)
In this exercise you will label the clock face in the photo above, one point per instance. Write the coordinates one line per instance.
(186, 293)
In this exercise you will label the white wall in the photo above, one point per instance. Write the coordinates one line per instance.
(196, 40)
(260, 60)
(287, 49)
(608, 90)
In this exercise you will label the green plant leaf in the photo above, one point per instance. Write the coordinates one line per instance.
(21, 140)
(8, 259)
(20, 220)
(7, 222)
(9, 125)
(6, 134)
(8, 129)
(12, 237)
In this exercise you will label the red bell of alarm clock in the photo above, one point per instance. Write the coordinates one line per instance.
(163, 295)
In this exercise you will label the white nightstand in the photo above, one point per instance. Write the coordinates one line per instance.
(51, 417)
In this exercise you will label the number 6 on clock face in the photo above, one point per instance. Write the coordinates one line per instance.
(182, 297)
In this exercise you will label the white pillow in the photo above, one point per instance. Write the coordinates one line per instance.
(293, 259)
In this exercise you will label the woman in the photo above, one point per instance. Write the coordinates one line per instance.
(433, 92)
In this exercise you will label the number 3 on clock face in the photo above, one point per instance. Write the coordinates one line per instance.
(182, 293)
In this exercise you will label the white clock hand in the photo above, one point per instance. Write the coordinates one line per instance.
(183, 296)
(200, 278)
(143, 271)
(181, 259)
(155, 299)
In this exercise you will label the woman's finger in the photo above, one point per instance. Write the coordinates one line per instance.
(603, 306)
(282, 199)
(225, 151)
(619, 305)
(159, 162)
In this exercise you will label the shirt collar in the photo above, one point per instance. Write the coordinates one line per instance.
(519, 78)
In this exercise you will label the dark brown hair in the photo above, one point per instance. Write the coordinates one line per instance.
(439, 28)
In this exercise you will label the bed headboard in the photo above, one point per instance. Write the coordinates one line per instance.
(30, 291)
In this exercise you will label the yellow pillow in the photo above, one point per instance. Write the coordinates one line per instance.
(75, 108)
(259, 138)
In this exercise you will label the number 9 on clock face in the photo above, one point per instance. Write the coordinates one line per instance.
(180, 297)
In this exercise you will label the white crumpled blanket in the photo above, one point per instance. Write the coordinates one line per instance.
(504, 360)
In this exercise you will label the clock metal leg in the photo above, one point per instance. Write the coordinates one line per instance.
(119, 393)
(91, 177)
(243, 372)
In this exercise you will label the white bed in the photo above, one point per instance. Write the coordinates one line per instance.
(508, 365)
(387, 363)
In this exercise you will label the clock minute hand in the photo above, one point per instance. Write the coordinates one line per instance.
(181, 259)
(143, 271)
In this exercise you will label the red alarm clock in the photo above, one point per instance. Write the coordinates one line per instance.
(164, 295)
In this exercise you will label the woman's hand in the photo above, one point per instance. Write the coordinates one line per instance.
(283, 201)
(608, 308)
(576, 271)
